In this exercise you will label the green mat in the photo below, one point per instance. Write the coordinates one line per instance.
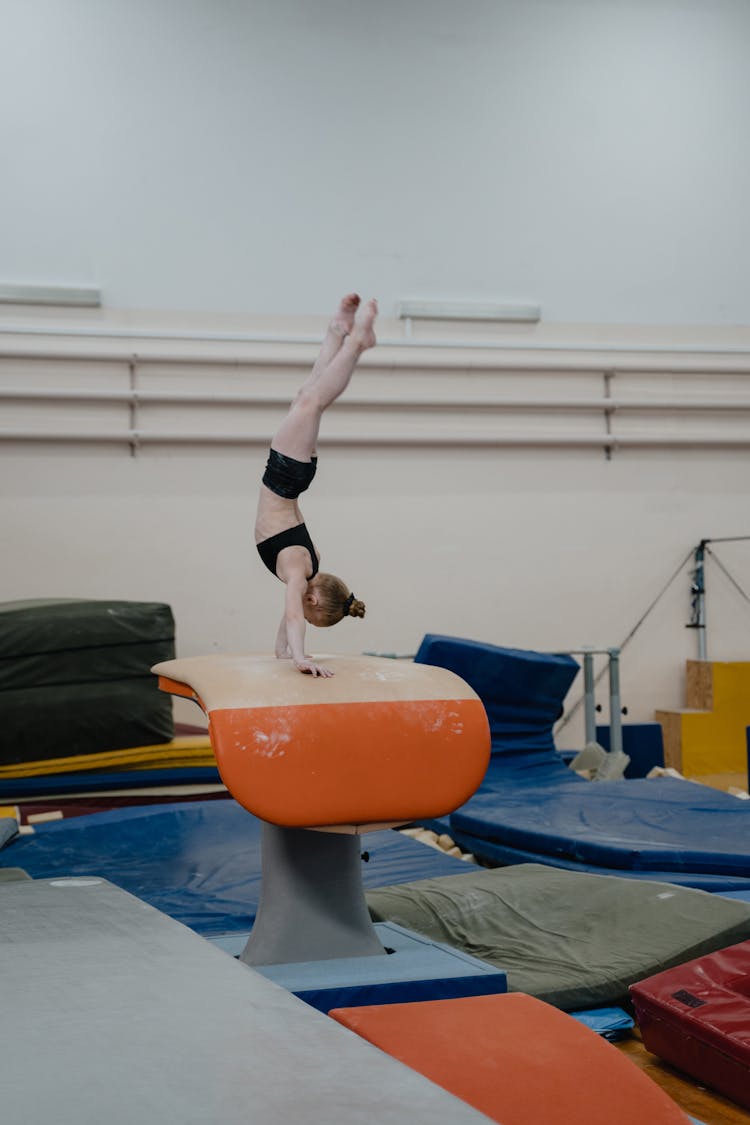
(75, 677)
(574, 940)
(54, 641)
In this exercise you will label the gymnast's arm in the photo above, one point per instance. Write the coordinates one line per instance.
(282, 649)
(294, 625)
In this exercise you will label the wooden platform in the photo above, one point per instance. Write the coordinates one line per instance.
(707, 735)
(723, 781)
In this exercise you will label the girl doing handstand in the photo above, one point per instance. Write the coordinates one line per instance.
(282, 539)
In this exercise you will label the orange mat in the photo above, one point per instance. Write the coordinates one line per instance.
(517, 1060)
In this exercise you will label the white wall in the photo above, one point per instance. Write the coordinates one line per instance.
(224, 164)
(431, 513)
(256, 156)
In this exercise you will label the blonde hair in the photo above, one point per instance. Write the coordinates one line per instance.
(335, 602)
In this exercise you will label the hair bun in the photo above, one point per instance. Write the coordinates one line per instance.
(357, 608)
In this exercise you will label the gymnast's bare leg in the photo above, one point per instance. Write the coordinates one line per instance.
(351, 332)
(339, 327)
(321, 599)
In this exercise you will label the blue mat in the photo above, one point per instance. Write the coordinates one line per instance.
(642, 742)
(199, 862)
(610, 1023)
(532, 808)
(640, 825)
(93, 781)
(414, 969)
(732, 886)
(522, 692)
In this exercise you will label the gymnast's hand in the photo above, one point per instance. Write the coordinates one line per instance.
(310, 668)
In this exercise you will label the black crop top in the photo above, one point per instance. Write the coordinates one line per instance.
(298, 536)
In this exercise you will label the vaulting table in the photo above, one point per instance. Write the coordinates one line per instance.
(380, 743)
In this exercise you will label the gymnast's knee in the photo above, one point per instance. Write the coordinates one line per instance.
(308, 400)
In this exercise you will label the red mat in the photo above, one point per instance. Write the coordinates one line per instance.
(697, 1017)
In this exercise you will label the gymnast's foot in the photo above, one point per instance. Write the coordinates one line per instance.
(343, 319)
(363, 332)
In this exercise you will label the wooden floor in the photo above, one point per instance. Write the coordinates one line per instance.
(706, 1105)
(723, 781)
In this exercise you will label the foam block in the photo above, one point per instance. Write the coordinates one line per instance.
(697, 1017)
(74, 676)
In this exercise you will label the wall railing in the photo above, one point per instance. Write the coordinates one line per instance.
(409, 341)
(448, 414)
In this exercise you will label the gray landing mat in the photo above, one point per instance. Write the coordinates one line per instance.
(574, 940)
(122, 1015)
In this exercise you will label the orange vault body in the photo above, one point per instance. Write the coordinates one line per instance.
(381, 742)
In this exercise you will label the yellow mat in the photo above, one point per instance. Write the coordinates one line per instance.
(190, 750)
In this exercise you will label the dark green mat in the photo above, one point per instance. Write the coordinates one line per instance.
(54, 641)
(57, 722)
(574, 940)
(75, 677)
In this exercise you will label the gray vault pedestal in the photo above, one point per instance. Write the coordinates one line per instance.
(312, 901)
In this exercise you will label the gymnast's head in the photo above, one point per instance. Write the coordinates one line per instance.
(328, 601)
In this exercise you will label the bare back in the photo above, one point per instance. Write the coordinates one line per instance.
(275, 514)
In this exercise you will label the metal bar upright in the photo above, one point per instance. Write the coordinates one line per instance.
(615, 705)
(699, 599)
(589, 697)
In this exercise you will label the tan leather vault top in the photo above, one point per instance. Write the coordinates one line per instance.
(260, 680)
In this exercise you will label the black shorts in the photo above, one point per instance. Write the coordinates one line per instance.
(287, 477)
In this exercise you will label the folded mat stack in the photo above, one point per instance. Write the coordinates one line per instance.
(74, 677)
(78, 699)
(532, 808)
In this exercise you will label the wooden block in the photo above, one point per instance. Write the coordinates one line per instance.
(699, 685)
(671, 725)
(708, 735)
